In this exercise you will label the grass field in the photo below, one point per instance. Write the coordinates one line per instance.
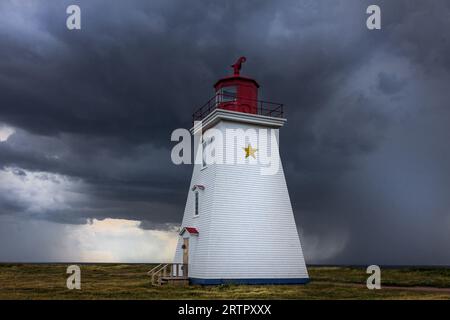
(122, 281)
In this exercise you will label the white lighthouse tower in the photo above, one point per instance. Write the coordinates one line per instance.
(238, 224)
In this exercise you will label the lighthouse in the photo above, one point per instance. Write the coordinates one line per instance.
(238, 224)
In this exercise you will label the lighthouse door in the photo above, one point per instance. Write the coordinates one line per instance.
(185, 256)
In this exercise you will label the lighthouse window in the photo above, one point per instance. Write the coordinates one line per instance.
(196, 204)
(204, 145)
(204, 154)
(228, 94)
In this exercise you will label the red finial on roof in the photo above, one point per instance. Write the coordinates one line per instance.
(238, 65)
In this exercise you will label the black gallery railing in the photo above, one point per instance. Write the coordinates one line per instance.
(220, 100)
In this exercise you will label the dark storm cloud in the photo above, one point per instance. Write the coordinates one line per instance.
(389, 83)
(98, 106)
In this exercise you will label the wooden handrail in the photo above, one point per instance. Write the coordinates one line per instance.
(151, 271)
(167, 269)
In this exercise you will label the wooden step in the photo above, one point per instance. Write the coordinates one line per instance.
(169, 273)
(179, 281)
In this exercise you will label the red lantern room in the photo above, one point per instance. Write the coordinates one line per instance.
(237, 93)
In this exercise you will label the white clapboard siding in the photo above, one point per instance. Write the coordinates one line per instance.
(246, 224)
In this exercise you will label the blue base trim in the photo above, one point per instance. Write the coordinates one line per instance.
(249, 281)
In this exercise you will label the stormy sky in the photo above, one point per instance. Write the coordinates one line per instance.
(86, 118)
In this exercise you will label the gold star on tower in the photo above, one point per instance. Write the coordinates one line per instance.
(249, 151)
